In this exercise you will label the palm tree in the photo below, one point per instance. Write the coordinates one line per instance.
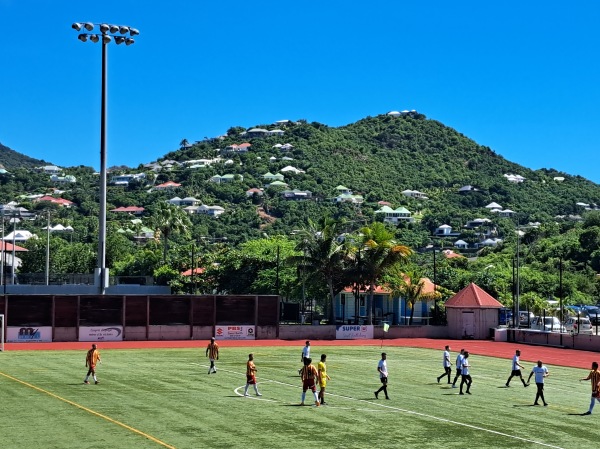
(184, 143)
(381, 251)
(411, 286)
(168, 219)
(322, 259)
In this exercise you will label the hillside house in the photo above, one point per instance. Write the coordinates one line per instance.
(343, 190)
(276, 132)
(222, 179)
(63, 179)
(273, 177)
(20, 236)
(169, 185)
(124, 180)
(212, 211)
(445, 231)
(493, 207)
(50, 169)
(395, 216)
(296, 195)
(291, 169)
(254, 191)
(133, 210)
(461, 244)
(349, 198)
(275, 184)
(464, 190)
(50, 199)
(414, 194)
(257, 132)
(478, 222)
(515, 179)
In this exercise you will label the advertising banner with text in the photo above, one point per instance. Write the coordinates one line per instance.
(235, 333)
(353, 332)
(101, 333)
(24, 334)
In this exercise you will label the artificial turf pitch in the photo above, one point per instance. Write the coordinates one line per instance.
(153, 398)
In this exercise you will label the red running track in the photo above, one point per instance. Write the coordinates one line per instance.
(550, 355)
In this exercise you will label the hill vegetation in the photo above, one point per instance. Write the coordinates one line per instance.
(254, 245)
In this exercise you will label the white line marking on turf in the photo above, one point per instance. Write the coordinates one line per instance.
(411, 412)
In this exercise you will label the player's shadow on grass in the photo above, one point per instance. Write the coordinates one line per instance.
(525, 405)
(577, 414)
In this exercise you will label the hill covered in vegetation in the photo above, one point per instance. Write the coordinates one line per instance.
(269, 182)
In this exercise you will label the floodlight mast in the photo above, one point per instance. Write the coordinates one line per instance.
(106, 35)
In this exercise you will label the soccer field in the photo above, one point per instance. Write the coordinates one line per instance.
(153, 398)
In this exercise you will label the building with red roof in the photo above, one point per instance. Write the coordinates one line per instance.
(471, 313)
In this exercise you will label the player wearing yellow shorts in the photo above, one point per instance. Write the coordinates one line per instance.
(323, 378)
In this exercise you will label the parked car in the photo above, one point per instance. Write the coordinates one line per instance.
(578, 325)
(593, 313)
(548, 324)
(525, 318)
(505, 316)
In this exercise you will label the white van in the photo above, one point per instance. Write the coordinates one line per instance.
(548, 324)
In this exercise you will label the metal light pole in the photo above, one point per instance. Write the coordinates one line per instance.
(48, 251)
(107, 34)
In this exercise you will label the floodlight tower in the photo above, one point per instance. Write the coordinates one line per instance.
(107, 33)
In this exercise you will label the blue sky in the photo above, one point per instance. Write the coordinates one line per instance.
(520, 77)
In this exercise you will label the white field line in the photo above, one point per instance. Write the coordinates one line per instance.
(410, 412)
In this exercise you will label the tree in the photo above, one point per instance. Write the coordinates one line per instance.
(183, 144)
(411, 286)
(323, 258)
(380, 252)
(169, 220)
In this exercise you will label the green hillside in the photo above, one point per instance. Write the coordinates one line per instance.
(377, 158)
(10, 159)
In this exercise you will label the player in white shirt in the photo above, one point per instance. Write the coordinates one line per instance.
(383, 376)
(466, 377)
(516, 369)
(540, 372)
(447, 364)
(459, 359)
(305, 354)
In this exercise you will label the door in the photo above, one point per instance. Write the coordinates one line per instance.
(468, 322)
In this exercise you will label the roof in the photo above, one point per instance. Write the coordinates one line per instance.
(130, 209)
(6, 246)
(473, 297)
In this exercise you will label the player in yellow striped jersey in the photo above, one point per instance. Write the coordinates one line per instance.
(91, 360)
(594, 378)
(212, 352)
(309, 375)
(251, 375)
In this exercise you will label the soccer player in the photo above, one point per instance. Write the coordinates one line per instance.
(309, 374)
(516, 369)
(459, 360)
(323, 378)
(466, 377)
(251, 375)
(594, 377)
(446, 363)
(212, 352)
(383, 376)
(305, 354)
(91, 359)
(540, 372)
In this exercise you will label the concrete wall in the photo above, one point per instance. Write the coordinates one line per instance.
(65, 334)
(181, 332)
(203, 332)
(412, 332)
(134, 333)
(583, 342)
(266, 332)
(307, 332)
